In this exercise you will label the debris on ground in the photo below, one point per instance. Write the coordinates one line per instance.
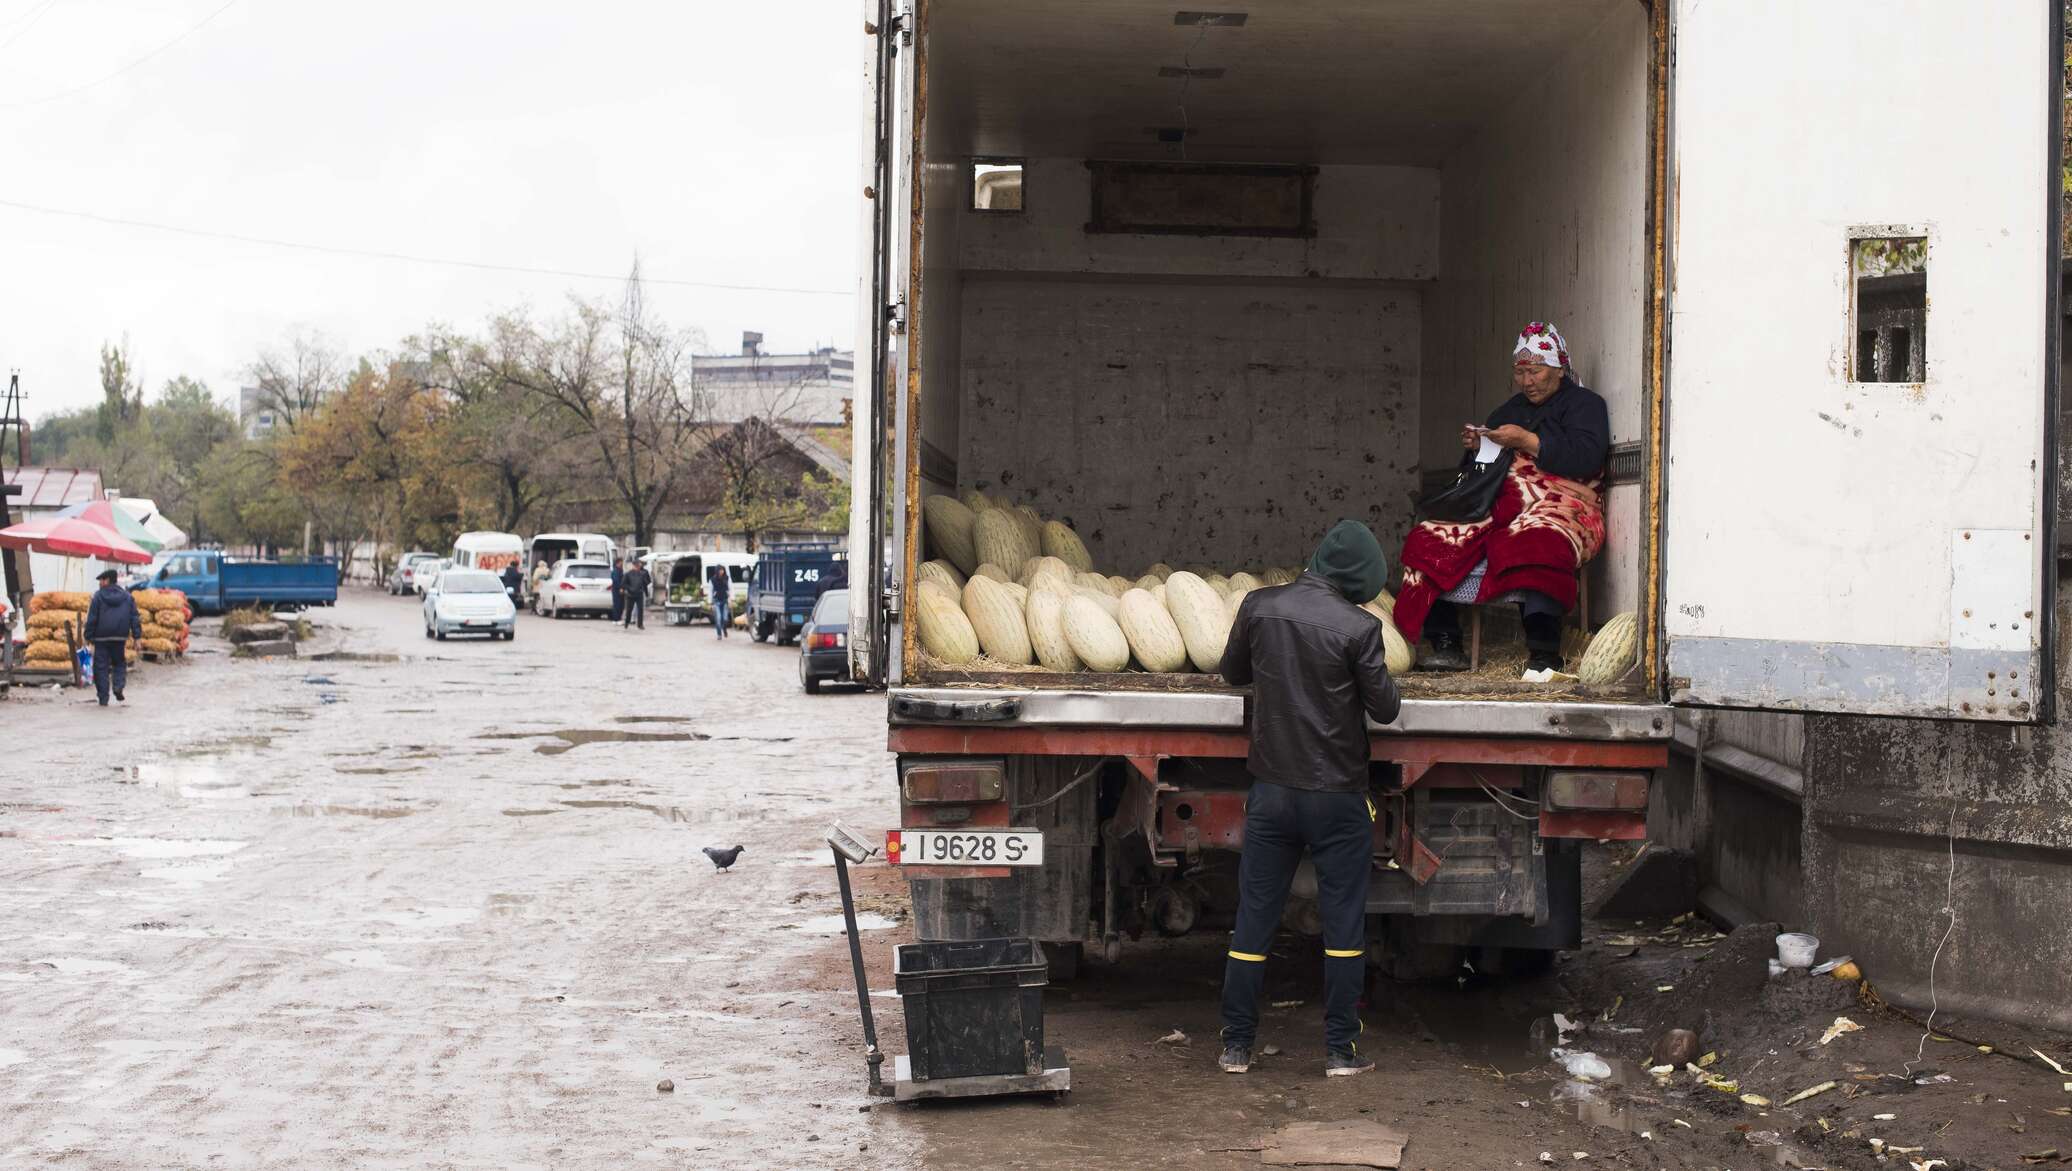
(1809, 1092)
(1842, 1025)
(665, 1086)
(1176, 1037)
(1354, 1143)
(1674, 1047)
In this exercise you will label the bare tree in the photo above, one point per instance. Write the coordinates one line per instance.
(622, 378)
(293, 382)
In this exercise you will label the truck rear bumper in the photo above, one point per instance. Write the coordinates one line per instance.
(1144, 710)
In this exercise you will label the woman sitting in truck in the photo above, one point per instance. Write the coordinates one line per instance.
(1547, 523)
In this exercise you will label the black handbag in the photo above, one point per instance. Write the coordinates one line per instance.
(1471, 496)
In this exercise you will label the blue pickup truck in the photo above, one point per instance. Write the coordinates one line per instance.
(788, 580)
(215, 583)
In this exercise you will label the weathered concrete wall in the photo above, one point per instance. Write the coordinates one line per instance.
(1544, 218)
(1905, 817)
(1227, 424)
(1740, 813)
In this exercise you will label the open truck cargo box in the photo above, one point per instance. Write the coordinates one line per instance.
(1254, 267)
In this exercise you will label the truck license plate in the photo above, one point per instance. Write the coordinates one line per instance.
(964, 847)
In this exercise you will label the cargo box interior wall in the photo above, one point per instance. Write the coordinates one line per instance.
(1200, 396)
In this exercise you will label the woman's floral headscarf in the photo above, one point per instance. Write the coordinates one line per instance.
(1543, 342)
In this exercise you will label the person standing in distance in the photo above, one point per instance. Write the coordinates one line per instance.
(618, 588)
(635, 587)
(111, 621)
(1315, 663)
(720, 587)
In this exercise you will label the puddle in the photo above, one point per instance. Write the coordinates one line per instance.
(665, 812)
(572, 738)
(836, 925)
(652, 720)
(370, 959)
(380, 770)
(428, 916)
(162, 847)
(74, 966)
(355, 657)
(509, 904)
(12, 1057)
(529, 812)
(194, 780)
(377, 811)
(217, 747)
(591, 784)
(192, 875)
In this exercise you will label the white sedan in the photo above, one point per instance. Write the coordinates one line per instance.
(468, 601)
(575, 587)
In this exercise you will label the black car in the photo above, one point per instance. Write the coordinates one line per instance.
(824, 643)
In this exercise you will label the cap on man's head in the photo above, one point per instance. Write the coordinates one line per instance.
(1351, 559)
(109, 575)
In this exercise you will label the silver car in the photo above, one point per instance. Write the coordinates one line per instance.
(469, 601)
(403, 579)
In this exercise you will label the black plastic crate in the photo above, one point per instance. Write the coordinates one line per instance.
(972, 1009)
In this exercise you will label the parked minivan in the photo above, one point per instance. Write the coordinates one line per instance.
(490, 551)
(559, 547)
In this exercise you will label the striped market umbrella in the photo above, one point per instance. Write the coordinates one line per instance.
(105, 514)
(73, 536)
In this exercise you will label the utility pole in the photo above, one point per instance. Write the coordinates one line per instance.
(12, 588)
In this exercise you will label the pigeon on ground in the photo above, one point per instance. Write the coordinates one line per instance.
(722, 858)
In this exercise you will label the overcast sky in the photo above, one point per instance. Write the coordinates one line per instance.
(719, 141)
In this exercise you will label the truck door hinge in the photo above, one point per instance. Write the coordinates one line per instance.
(895, 315)
(892, 602)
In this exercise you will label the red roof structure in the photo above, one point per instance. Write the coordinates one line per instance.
(53, 487)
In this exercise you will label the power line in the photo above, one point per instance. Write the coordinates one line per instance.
(375, 254)
(191, 30)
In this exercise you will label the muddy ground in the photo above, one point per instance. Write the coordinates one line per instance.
(442, 905)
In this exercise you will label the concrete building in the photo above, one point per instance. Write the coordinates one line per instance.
(256, 416)
(809, 389)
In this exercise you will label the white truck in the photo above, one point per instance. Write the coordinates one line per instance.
(1256, 267)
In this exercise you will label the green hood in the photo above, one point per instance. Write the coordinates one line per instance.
(1351, 559)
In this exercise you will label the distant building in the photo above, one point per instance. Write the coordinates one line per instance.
(799, 390)
(255, 412)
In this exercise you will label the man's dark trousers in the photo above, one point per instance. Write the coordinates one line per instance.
(636, 609)
(110, 663)
(1338, 831)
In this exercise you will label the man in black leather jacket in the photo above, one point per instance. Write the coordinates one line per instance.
(1315, 663)
(111, 621)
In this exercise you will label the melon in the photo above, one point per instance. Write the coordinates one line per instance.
(1000, 538)
(1152, 635)
(1122, 585)
(1061, 542)
(1051, 572)
(996, 618)
(1611, 652)
(950, 527)
(1107, 602)
(945, 632)
(943, 572)
(1278, 577)
(1395, 650)
(1159, 570)
(988, 569)
(1094, 635)
(1017, 591)
(1032, 524)
(1241, 581)
(1199, 612)
(976, 501)
(1047, 631)
(1149, 581)
(1095, 581)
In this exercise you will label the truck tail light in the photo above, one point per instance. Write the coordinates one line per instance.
(930, 782)
(1578, 789)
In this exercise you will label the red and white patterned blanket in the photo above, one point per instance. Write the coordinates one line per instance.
(1543, 529)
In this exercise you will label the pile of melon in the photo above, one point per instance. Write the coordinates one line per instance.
(1021, 591)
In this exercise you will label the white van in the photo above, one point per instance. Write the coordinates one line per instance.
(490, 551)
(557, 547)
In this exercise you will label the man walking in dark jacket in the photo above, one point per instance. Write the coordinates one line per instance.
(721, 587)
(635, 588)
(1315, 663)
(618, 587)
(111, 621)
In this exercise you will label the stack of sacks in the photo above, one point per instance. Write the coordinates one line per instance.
(50, 616)
(165, 614)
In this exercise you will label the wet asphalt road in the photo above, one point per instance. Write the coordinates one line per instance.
(447, 911)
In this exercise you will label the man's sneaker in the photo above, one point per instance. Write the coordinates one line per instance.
(1346, 1065)
(1445, 655)
(1235, 1059)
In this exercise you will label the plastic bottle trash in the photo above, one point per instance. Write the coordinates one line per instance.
(1584, 1065)
(1796, 950)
